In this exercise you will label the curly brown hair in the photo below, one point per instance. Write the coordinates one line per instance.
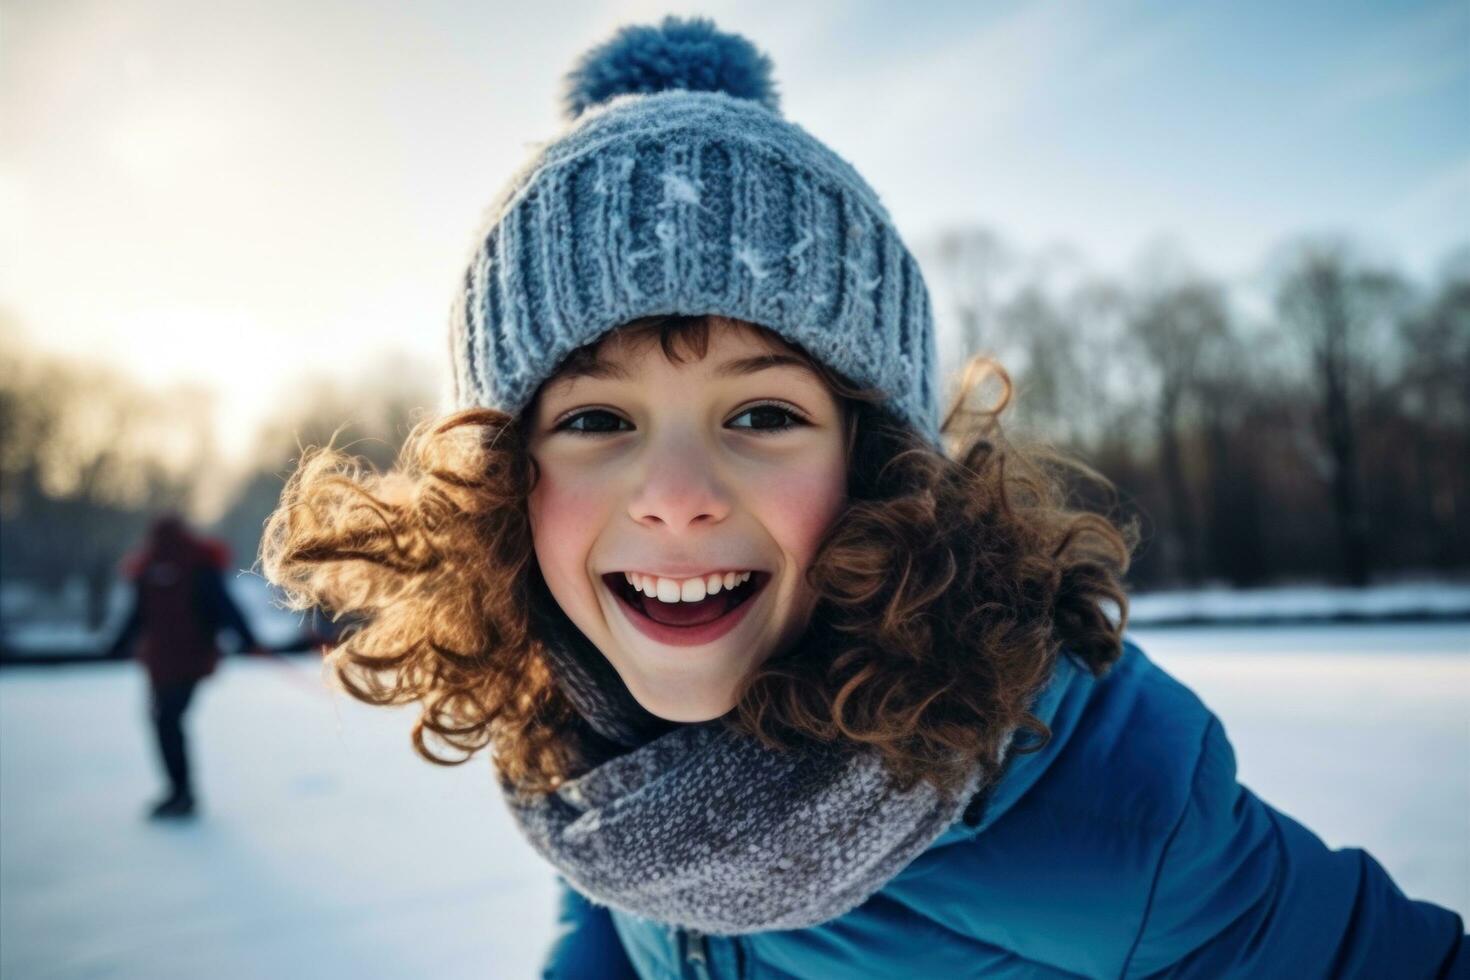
(947, 586)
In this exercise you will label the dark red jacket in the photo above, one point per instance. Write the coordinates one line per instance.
(179, 605)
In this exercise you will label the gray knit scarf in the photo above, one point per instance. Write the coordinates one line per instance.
(701, 827)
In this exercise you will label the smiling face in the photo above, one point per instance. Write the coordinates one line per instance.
(678, 473)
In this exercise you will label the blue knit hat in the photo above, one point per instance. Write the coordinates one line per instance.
(677, 187)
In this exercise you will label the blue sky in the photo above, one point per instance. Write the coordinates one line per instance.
(236, 194)
(1228, 124)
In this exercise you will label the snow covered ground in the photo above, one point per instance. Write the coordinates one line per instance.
(1301, 603)
(327, 849)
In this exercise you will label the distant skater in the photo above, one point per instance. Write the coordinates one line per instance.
(179, 605)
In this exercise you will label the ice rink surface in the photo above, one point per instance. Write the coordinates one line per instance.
(327, 848)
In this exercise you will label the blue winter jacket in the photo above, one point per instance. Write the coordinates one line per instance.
(1124, 848)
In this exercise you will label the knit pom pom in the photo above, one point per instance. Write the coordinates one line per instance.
(678, 54)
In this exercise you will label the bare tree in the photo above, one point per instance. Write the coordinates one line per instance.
(969, 262)
(1229, 395)
(1341, 311)
(1103, 391)
(1434, 398)
(1175, 326)
(1036, 342)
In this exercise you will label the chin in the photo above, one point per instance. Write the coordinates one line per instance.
(682, 708)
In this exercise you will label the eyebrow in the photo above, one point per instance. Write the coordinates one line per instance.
(736, 367)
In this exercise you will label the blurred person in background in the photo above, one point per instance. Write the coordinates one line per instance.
(179, 605)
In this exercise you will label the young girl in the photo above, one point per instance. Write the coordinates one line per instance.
(783, 677)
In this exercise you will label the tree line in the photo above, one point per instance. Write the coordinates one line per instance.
(1315, 429)
(1311, 425)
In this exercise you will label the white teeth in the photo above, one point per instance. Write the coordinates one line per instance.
(688, 590)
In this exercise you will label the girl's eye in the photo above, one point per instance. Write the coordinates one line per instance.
(772, 413)
(764, 419)
(590, 429)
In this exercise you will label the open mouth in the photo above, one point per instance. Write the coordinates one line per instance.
(685, 615)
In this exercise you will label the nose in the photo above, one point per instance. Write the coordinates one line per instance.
(679, 487)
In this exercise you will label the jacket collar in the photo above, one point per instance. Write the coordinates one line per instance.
(1059, 705)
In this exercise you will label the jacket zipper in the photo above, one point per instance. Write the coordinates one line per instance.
(696, 953)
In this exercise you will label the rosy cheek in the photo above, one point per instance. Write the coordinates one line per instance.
(803, 504)
(566, 517)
